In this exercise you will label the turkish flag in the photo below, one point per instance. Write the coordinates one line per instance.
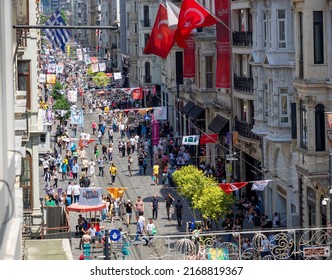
(231, 187)
(162, 37)
(192, 15)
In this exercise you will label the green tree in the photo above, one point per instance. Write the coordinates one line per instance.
(101, 80)
(62, 104)
(56, 91)
(203, 192)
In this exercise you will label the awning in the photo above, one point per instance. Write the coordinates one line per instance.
(75, 207)
(196, 112)
(188, 107)
(219, 124)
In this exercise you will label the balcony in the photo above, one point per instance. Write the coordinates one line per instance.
(243, 84)
(244, 129)
(242, 39)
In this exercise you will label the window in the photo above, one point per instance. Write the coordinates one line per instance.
(26, 182)
(283, 105)
(266, 100)
(281, 25)
(320, 127)
(318, 39)
(209, 71)
(135, 28)
(23, 69)
(303, 126)
(147, 73)
(135, 6)
(42, 138)
(146, 16)
(136, 49)
(265, 29)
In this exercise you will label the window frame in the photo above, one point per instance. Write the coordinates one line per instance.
(303, 126)
(209, 71)
(318, 37)
(281, 114)
(282, 43)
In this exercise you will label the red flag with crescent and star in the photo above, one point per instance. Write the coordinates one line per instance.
(192, 15)
(231, 187)
(162, 37)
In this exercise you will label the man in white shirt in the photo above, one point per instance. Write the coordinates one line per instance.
(76, 192)
(121, 129)
(70, 192)
(132, 143)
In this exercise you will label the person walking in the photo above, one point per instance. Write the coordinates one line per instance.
(113, 171)
(154, 207)
(92, 165)
(140, 163)
(169, 200)
(101, 166)
(155, 173)
(130, 165)
(129, 211)
(139, 206)
(179, 211)
(76, 192)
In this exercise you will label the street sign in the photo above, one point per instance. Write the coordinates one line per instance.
(115, 234)
(323, 251)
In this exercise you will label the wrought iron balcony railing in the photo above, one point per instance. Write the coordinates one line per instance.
(243, 38)
(244, 84)
(244, 129)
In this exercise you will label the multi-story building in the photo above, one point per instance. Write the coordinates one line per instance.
(79, 17)
(20, 110)
(312, 90)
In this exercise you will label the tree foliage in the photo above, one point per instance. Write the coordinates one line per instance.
(61, 102)
(56, 91)
(203, 192)
(101, 80)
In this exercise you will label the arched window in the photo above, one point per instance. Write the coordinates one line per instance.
(147, 73)
(26, 181)
(320, 127)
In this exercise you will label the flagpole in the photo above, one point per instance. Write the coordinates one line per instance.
(25, 26)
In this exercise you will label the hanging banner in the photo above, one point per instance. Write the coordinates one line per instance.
(231, 187)
(94, 59)
(90, 196)
(191, 140)
(155, 132)
(42, 78)
(51, 68)
(228, 138)
(235, 138)
(160, 113)
(87, 59)
(189, 59)
(95, 67)
(208, 139)
(223, 69)
(59, 68)
(72, 96)
(117, 76)
(50, 78)
(137, 93)
(116, 192)
(77, 117)
(260, 185)
(80, 57)
(102, 67)
(329, 127)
